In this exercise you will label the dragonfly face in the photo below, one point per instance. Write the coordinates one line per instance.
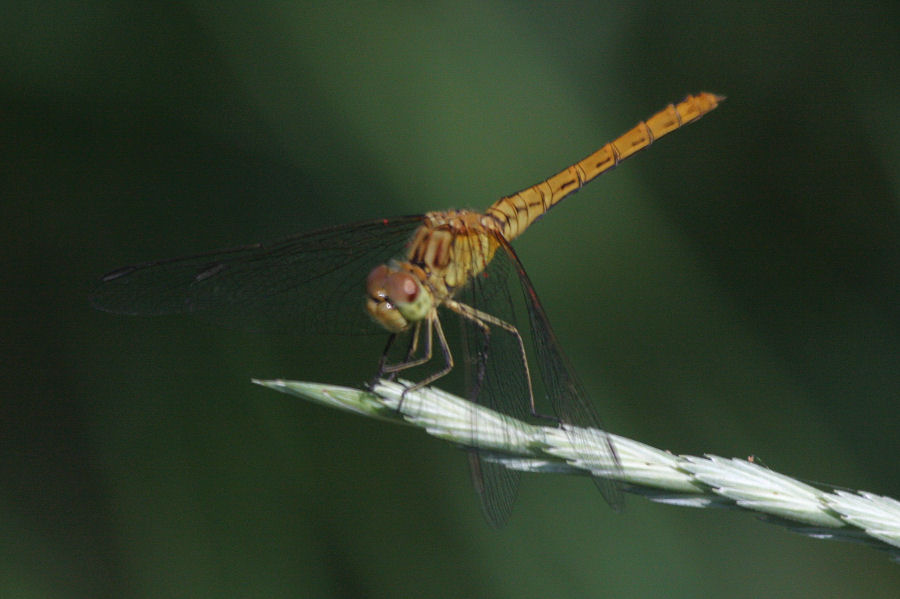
(396, 297)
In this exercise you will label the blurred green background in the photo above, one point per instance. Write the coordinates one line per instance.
(733, 290)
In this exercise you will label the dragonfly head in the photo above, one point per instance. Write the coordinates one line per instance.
(396, 298)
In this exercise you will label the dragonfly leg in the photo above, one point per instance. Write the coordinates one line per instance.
(432, 327)
(435, 325)
(409, 361)
(414, 345)
(382, 363)
(391, 370)
(483, 319)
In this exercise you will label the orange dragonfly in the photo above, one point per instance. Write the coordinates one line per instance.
(459, 261)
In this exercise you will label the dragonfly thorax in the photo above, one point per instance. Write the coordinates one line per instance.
(396, 297)
(452, 247)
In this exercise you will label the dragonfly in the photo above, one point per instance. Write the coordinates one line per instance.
(408, 277)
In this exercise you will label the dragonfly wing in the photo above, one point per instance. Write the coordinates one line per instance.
(567, 396)
(497, 487)
(313, 281)
(495, 377)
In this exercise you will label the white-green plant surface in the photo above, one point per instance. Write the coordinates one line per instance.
(694, 481)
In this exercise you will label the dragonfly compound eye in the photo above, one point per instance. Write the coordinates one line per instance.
(407, 293)
(378, 304)
(402, 288)
(376, 282)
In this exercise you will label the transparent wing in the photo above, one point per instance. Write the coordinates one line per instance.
(565, 392)
(314, 280)
(495, 377)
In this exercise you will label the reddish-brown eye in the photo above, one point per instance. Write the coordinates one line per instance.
(402, 287)
(377, 281)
